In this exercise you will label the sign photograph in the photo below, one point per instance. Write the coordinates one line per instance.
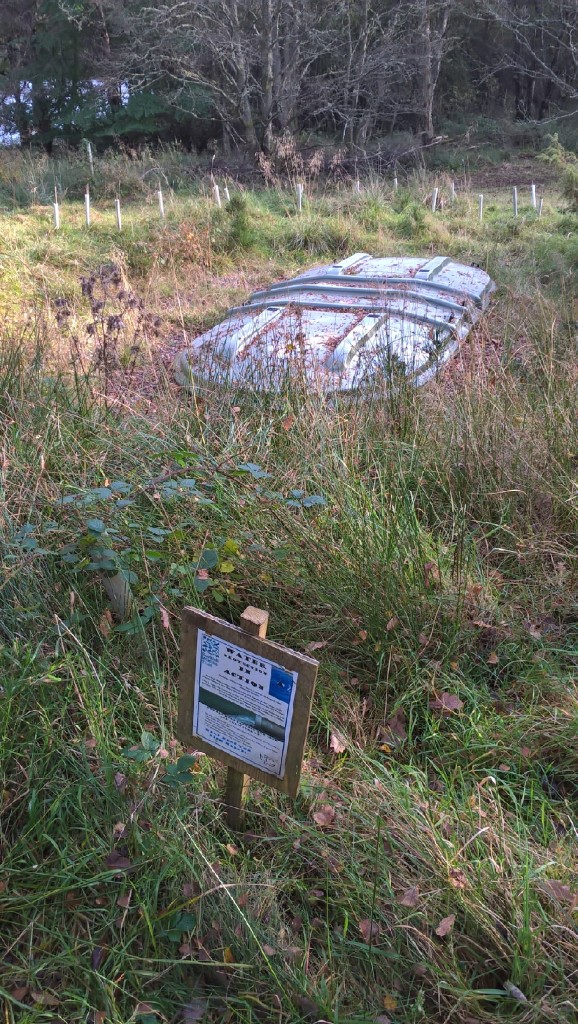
(243, 699)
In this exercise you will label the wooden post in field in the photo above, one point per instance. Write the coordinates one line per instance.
(118, 215)
(481, 206)
(515, 200)
(253, 621)
(533, 195)
(453, 191)
(395, 184)
(87, 207)
(56, 212)
(434, 200)
(299, 190)
(540, 205)
(226, 194)
(357, 185)
(217, 195)
(161, 204)
(90, 159)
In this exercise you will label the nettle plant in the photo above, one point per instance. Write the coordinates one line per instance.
(127, 555)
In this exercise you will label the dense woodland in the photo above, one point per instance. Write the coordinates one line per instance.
(238, 73)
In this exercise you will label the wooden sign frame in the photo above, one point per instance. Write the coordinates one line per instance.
(194, 620)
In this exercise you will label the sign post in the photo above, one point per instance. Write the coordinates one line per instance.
(245, 701)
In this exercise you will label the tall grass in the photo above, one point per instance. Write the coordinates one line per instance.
(435, 585)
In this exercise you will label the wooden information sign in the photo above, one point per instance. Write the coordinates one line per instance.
(244, 700)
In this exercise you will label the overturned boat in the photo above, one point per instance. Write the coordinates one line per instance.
(343, 326)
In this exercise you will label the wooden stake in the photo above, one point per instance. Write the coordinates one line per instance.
(540, 205)
(254, 621)
(434, 200)
(452, 191)
(515, 200)
(395, 184)
(299, 190)
(87, 207)
(533, 195)
(161, 204)
(118, 216)
(56, 215)
(226, 194)
(358, 185)
(481, 206)
(90, 159)
(217, 195)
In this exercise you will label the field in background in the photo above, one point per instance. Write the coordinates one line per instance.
(427, 870)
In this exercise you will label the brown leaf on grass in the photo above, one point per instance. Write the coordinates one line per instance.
(19, 993)
(431, 573)
(97, 957)
(410, 897)
(232, 850)
(228, 955)
(124, 901)
(105, 624)
(514, 992)
(445, 926)
(99, 1017)
(393, 622)
(164, 617)
(118, 861)
(337, 743)
(369, 930)
(288, 422)
(120, 782)
(446, 702)
(389, 1003)
(185, 949)
(316, 645)
(268, 950)
(144, 1008)
(46, 998)
(393, 732)
(458, 878)
(191, 889)
(493, 658)
(90, 743)
(194, 1011)
(362, 634)
(534, 631)
(324, 816)
(559, 891)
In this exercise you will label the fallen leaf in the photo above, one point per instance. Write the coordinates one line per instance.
(446, 702)
(362, 634)
(118, 861)
(454, 666)
(90, 743)
(431, 573)
(525, 752)
(458, 878)
(393, 622)
(389, 1003)
(99, 1017)
(445, 926)
(19, 993)
(164, 617)
(393, 732)
(307, 1008)
(185, 949)
(118, 829)
(337, 743)
(534, 631)
(144, 1008)
(228, 955)
(97, 957)
(124, 901)
(559, 891)
(423, 640)
(194, 1011)
(410, 897)
(288, 422)
(316, 645)
(233, 850)
(493, 658)
(369, 930)
(46, 998)
(105, 624)
(120, 782)
(324, 816)
(514, 992)
(268, 950)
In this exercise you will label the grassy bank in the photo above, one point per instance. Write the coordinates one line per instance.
(426, 871)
